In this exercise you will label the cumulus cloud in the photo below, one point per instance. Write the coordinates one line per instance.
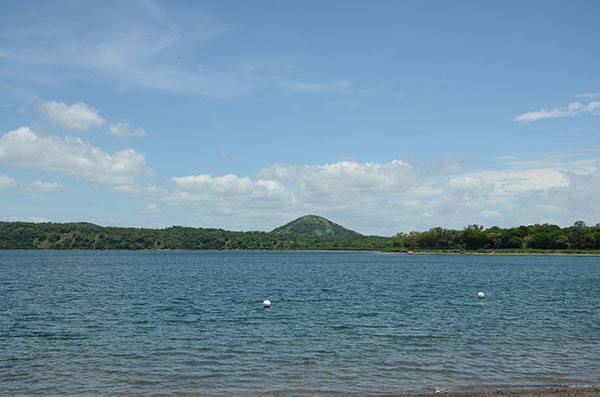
(346, 176)
(74, 157)
(123, 129)
(217, 198)
(573, 109)
(78, 117)
(42, 187)
(229, 185)
(6, 182)
(518, 181)
(469, 185)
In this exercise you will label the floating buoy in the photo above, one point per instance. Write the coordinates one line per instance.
(480, 295)
(267, 303)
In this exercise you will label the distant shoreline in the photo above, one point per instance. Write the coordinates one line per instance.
(310, 232)
(377, 252)
(490, 253)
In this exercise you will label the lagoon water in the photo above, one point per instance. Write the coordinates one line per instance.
(107, 323)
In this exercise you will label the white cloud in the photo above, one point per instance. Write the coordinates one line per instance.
(42, 187)
(228, 184)
(331, 86)
(346, 176)
(6, 182)
(589, 95)
(33, 219)
(77, 117)
(199, 186)
(148, 191)
(72, 156)
(573, 109)
(229, 197)
(467, 189)
(469, 184)
(511, 182)
(123, 129)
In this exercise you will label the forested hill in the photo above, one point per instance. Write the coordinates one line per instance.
(314, 225)
(87, 236)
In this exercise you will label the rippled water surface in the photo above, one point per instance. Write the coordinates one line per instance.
(348, 322)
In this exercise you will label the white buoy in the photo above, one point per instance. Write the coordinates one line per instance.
(267, 303)
(480, 295)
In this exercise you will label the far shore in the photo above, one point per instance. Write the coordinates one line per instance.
(488, 253)
(500, 253)
(556, 392)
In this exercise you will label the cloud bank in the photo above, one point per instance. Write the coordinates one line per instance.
(384, 198)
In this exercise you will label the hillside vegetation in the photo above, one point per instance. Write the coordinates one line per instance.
(87, 236)
(316, 226)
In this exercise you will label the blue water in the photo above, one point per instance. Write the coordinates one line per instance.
(112, 323)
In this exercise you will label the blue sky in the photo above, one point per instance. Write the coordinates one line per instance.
(383, 116)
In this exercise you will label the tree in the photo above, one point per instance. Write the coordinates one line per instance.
(474, 237)
(578, 234)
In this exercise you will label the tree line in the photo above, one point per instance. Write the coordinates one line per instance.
(475, 237)
(87, 236)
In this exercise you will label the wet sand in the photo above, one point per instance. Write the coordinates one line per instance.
(570, 392)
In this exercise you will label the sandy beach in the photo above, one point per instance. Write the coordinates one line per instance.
(566, 392)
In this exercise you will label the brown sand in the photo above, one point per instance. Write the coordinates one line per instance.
(587, 392)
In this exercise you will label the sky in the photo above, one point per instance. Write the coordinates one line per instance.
(385, 116)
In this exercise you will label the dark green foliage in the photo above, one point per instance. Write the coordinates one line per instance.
(314, 225)
(578, 238)
(552, 240)
(526, 238)
(85, 236)
(475, 238)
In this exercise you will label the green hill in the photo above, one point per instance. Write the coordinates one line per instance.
(314, 225)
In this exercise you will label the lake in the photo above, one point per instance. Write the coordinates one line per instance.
(123, 322)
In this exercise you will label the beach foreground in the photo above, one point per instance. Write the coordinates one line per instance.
(570, 392)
